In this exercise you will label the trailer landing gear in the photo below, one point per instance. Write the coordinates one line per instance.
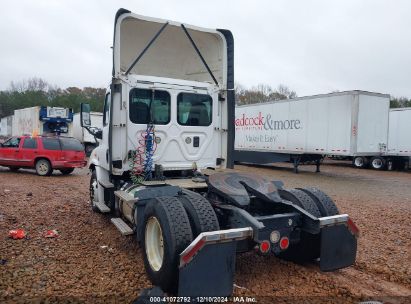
(307, 159)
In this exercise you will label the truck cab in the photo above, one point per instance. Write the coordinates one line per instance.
(173, 77)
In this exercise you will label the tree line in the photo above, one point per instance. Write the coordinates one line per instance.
(400, 102)
(36, 92)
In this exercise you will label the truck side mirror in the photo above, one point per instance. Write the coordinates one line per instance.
(85, 115)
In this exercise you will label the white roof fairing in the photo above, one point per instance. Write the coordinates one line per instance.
(171, 55)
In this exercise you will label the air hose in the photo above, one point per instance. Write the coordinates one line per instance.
(141, 160)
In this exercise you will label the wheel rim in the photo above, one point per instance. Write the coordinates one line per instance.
(93, 190)
(154, 243)
(377, 163)
(359, 162)
(42, 168)
(89, 149)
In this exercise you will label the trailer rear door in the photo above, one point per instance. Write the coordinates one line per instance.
(372, 124)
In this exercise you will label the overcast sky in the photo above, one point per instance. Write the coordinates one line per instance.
(311, 46)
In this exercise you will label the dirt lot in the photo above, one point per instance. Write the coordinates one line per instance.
(90, 261)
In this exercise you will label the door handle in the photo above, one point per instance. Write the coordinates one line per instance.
(16, 150)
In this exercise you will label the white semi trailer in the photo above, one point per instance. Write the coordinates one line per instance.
(89, 141)
(345, 124)
(399, 138)
(6, 126)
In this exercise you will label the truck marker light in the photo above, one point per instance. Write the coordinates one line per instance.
(275, 236)
(264, 246)
(187, 257)
(213, 237)
(353, 228)
(284, 242)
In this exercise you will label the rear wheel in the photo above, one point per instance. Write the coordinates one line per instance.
(360, 162)
(166, 233)
(301, 199)
(378, 163)
(66, 171)
(324, 203)
(43, 167)
(200, 212)
(308, 247)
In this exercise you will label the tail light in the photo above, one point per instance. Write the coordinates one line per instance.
(264, 246)
(284, 243)
(353, 227)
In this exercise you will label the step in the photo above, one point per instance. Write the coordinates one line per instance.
(125, 197)
(102, 207)
(122, 226)
(106, 184)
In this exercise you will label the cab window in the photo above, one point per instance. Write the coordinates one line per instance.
(148, 106)
(13, 142)
(30, 143)
(194, 109)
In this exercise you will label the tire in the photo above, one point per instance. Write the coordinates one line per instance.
(162, 246)
(93, 187)
(378, 163)
(148, 294)
(390, 165)
(14, 169)
(66, 171)
(200, 212)
(324, 203)
(88, 149)
(360, 162)
(308, 248)
(301, 199)
(43, 167)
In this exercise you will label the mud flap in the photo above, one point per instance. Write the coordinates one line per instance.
(207, 266)
(338, 247)
(211, 273)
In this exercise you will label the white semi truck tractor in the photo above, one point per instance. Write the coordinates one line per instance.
(162, 169)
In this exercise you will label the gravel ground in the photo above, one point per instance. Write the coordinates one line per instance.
(91, 262)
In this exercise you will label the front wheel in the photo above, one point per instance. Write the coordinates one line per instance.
(66, 171)
(93, 191)
(43, 167)
(88, 149)
(166, 233)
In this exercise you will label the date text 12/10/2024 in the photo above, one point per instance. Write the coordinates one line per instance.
(239, 299)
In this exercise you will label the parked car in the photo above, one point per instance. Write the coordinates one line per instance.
(43, 153)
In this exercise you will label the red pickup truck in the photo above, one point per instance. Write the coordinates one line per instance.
(42, 153)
